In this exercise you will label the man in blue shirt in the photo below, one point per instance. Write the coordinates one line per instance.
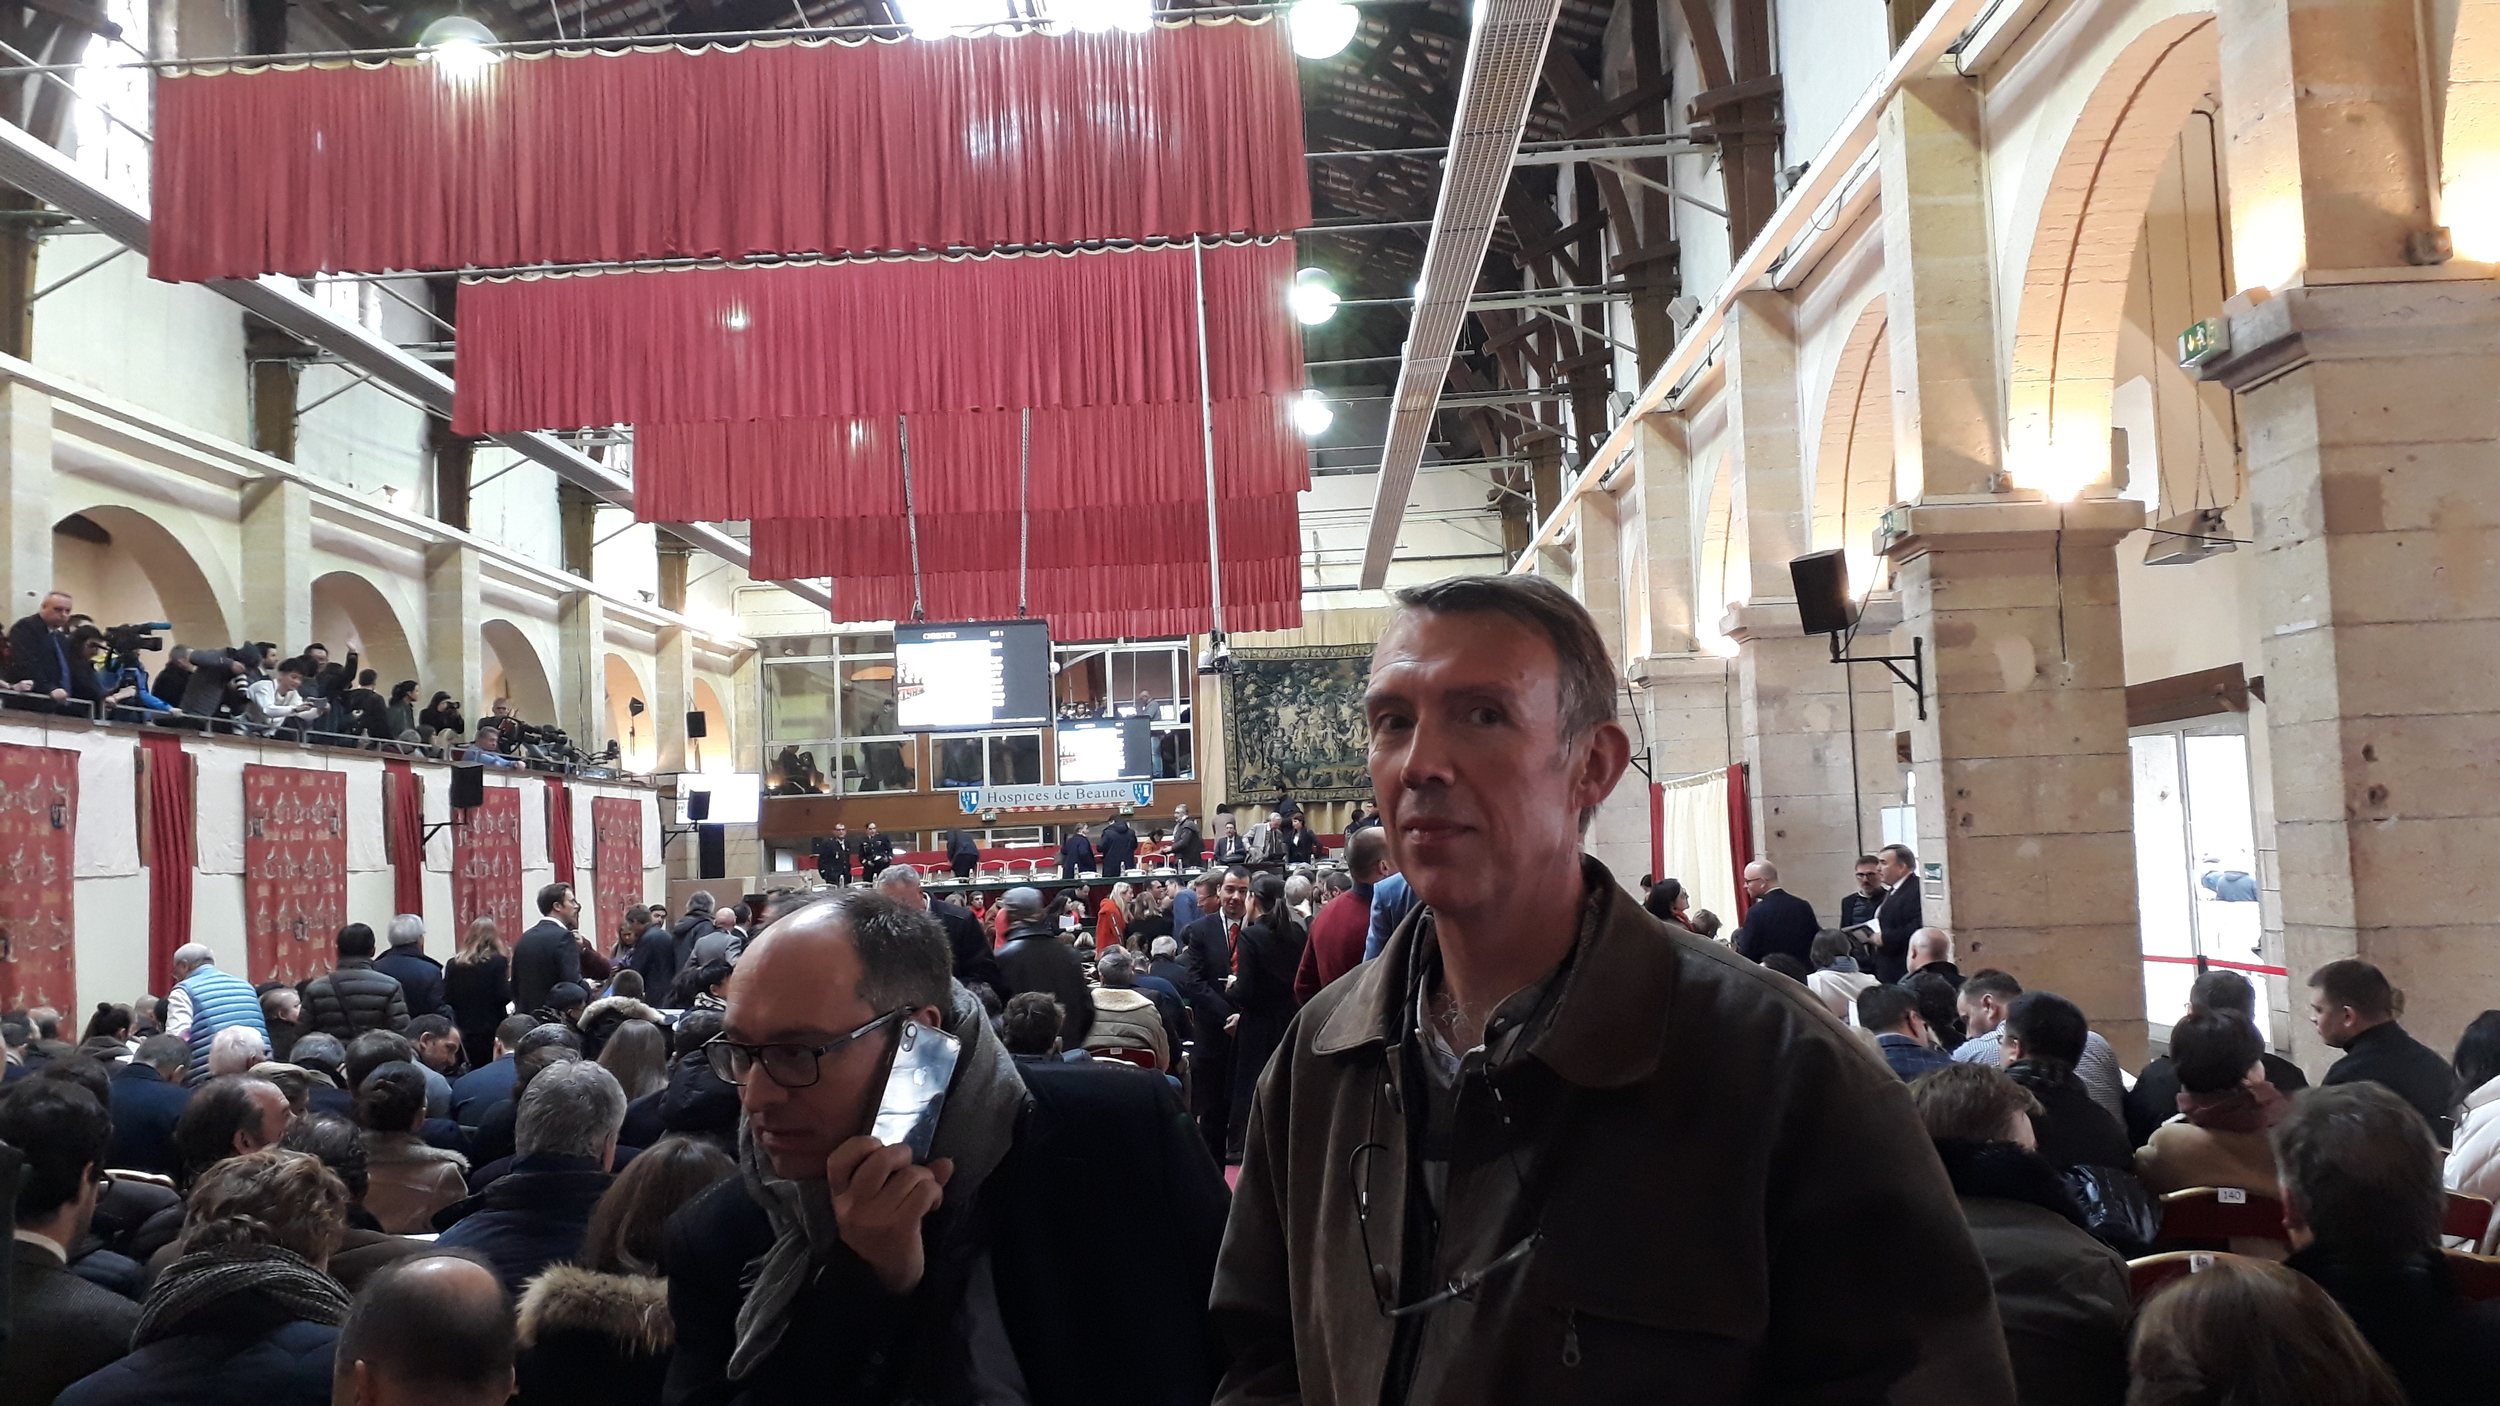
(1890, 1013)
(1391, 900)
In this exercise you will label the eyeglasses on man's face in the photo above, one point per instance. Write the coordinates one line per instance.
(790, 1066)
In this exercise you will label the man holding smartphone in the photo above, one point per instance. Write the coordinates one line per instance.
(841, 1268)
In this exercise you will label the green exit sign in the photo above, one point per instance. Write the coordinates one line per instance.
(2204, 342)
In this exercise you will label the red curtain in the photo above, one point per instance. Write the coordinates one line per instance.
(767, 148)
(173, 850)
(1740, 834)
(404, 808)
(294, 869)
(560, 838)
(964, 462)
(874, 339)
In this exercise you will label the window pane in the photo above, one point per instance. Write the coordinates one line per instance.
(1016, 760)
(1172, 753)
(958, 761)
(867, 698)
(854, 646)
(799, 700)
(1148, 679)
(882, 765)
(1082, 686)
(799, 647)
(800, 769)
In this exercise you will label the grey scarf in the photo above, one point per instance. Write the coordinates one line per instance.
(976, 1129)
(196, 1282)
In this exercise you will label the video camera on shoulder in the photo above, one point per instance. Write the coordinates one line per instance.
(123, 643)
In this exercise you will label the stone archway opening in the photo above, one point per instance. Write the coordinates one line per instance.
(719, 746)
(1854, 475)
(512, 670)
(637, 732)
(350, 612)
(122, 566)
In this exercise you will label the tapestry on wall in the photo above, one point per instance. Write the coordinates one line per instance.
(1293, 724)
(38, 840)
(615, 859)
(486, 865)
(294, 869)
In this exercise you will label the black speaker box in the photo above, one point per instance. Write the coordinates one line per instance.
(1821, 581)
(694, 725)
(714, 840)
(468, 787)
(699, 808)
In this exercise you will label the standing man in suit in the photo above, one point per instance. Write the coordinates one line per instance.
(975, 963)
(38, 657)
(1206, 949)
(1898, 916)
(549, 952)
(61, 1327)
(1118, 847)
(1076, 854)
(833, 856)
(1778, 921)
(1189, 846)
(1860, 905)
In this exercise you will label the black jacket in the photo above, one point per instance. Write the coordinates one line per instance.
(548, 953)
(1119, 845)
(2443, 1348)
(1779, 921)
(1301, 845)
(1856, 908)
(1208, 1010)
(1896, 918)
(655, 955)
(1087, 1126)
(1076, 855)
(1034, 959)
(355, 997)
(2072, 1129)
(38, 654)
(833, 857)
(2062, 1296)
(480, 995)
(245, 1350)
(61, 1327)
(2155, 1098)
(420, 980)
(590, 1339)
(145, 1109)
(975, 963)
(2385, 1054)
(529, 1218)
(1206, 950)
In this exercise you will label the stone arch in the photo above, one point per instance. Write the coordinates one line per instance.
(1854, 480)
(2469, 132)
(719, 743)
(350, 612)
(513, 670)
(1724, 573)
(637, 734)
(2083, 250)
(178, 586)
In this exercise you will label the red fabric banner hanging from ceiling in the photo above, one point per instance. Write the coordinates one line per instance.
(874, 339)
(560, 836)
(403, 807)
(615, 859)
(971, 462)
(173, 849)
(769, 148)
(38, 842)
(486, 864)
(294, 869)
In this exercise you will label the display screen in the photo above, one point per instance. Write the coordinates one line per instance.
(962, 677)
(1106, 749)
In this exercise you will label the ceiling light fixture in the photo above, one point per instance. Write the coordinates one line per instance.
(1312, 415)
(1314, 301)
(1322, 28)
(458, 45)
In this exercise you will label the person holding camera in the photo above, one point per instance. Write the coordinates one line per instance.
(276, 706)
(440, 716)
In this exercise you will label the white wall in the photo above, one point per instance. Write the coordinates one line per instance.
(173, 348)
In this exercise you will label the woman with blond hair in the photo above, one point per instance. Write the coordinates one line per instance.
(1111, 919)
(478, 984)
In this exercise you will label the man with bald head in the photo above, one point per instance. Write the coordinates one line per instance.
(1931, 950)
(839, 1268)
(975, 963)
(1778, 921)
(1341, 925)
(435, 1330)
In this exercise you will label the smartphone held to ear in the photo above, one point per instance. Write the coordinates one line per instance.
(922, 1065)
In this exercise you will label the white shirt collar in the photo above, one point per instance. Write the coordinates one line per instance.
(28, 1237)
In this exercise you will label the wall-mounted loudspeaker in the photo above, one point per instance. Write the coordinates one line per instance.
(698, 806)
(694, 725)
(714, 856)
(1821, 581)
(468, 787)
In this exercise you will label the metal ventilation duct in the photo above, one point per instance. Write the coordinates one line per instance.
(1494, 93)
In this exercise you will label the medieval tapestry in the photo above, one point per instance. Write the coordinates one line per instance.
(294, 869)
(38, 835)
(616, 858)
(1293, 723)
(486, 864)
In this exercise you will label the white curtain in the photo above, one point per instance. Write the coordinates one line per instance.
(1698, 853)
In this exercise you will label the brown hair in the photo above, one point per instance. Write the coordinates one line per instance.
(2243, 1332)
(2358, 985)
(1584, 674)
(1969, 1102)
(272, 1197)
(481, 945)
(624, 1234)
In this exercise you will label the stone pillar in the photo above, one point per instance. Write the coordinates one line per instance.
(26, 457)
(582, 668)
(1664, 468)
(1618, 836)
(672, 692)
(278, 563)
(1946, 416)
(455, 655)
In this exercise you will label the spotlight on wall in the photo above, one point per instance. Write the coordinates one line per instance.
(458, 44)
(1314, 300)
(1312, 415)
(1322, 28)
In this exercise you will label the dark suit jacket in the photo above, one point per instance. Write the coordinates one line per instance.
(38, 654)
(1208, 1010)
(974, 962)
(1206, 951)
(546, 954)
(2385, 1054)
(833, 858)
(1896, 918)
(145, 1109)
(1779, 921)
(1076, 854)
(61, 1328)
(1034, 959)
(420, 980)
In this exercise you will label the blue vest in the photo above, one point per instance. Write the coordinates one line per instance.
(218, 999)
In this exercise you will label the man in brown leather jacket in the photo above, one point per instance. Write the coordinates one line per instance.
(1543, 1149)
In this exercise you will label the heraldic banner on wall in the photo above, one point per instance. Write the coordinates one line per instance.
(1293, 724)
(486, 865)
(38, 836)
(294, 869)
(615, 860)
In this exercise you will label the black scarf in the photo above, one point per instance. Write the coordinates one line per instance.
(266, 1285)
(2005, 1171)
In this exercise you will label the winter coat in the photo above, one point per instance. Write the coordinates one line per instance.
(601, 1018)
(409, 1180)
(657, 956)
(2474, 1164)
(2061, 1294)
(1034, 959)
(591, 1339)
(530, 1217)
(355, 997)
(246, 1348)
(2074, 1131)
(480, 995)
(1125, 1019)
(2182, 1155)
(420, 979)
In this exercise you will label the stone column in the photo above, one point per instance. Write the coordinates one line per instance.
(582, 668)
(278, 563)
(672, 692)
(2024, 795)
(26, 457)
(455, 656)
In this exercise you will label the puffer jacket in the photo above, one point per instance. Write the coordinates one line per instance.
(1125, 1019)
(2474, 1165)
(596, 1339)
(354, 998)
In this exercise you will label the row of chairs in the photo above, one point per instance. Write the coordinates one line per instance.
(2197, 1222)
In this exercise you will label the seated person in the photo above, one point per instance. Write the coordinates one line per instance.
(2226, 1108)
(1890, 1013)
(1126, 1018)
(2043, 1039)
(2245, 1331)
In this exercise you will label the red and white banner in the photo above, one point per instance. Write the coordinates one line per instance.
(616, 862)
(294, 869)
(486, 864)
(38, 839)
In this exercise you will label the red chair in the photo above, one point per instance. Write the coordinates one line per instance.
(2210, 1217)
(2467, 1218)
(2146, 1275)
(2476, 1276)
(1143, 1059)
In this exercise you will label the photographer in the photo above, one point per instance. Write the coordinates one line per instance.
(276, 707)
(441, 716)
(173, 681)
(364, 714)
(119, 676)
(216, 690)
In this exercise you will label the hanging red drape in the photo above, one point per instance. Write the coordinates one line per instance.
(965, 462)
(404, 808)
(876, 338)
(768, 148)
(173, 854)
(1739, 834)
(560, 831)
